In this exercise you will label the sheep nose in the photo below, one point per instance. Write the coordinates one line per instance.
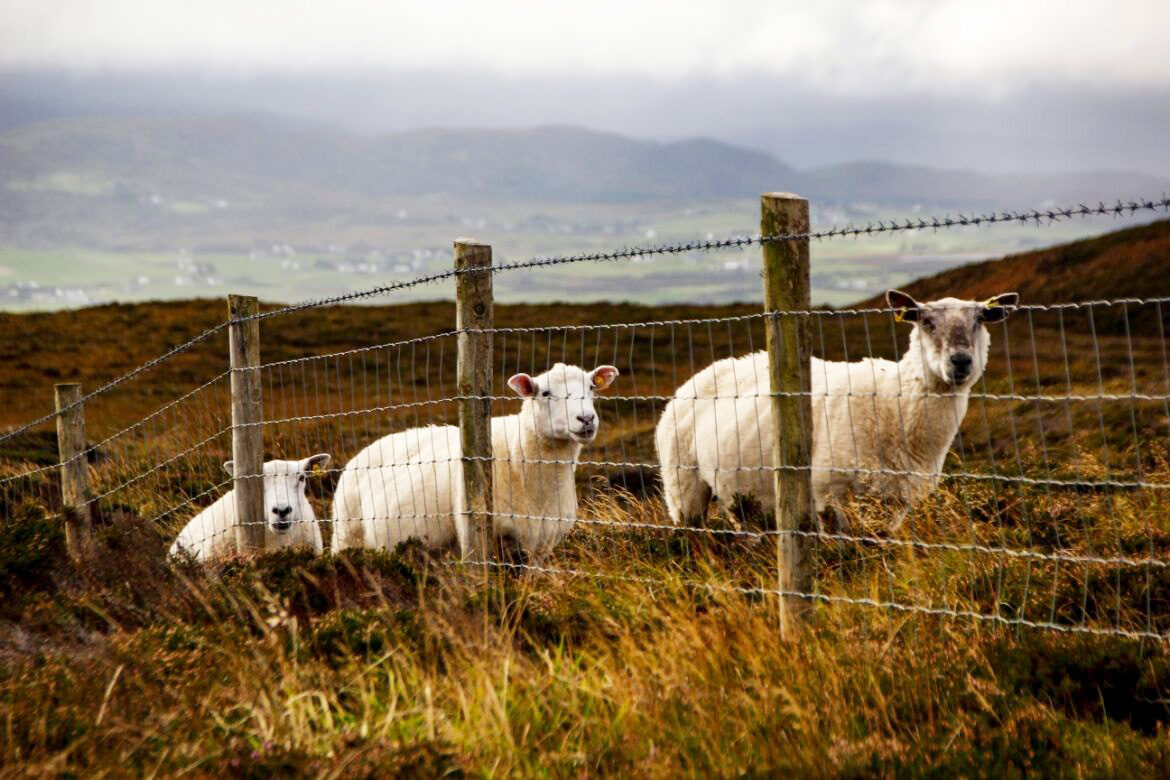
(282, 513)
(586, 419)
(961, 363)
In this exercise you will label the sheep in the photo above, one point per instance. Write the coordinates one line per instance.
(869, 417)
(406, 485)
(210, 535)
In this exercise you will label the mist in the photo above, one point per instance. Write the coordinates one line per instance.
(1039, 128)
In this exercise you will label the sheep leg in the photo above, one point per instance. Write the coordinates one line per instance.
(694, 512)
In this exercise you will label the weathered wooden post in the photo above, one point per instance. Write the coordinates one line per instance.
(247, 414)
(789, 340)
(75, 495)
(473, 310)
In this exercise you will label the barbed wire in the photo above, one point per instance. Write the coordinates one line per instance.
(1038, 216)
(824, 312)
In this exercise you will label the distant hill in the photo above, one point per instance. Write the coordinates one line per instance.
(258, 155)
(1126, 263)
(225, 154)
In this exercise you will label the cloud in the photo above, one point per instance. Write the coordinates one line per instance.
(1041, 128)
(993, 47)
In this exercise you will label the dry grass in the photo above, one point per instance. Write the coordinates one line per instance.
(656, 658)
(368, 664)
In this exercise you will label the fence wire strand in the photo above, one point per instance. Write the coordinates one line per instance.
(1053, 484)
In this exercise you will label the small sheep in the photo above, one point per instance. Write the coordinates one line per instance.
(715, 435)
(406, 484)
(210, 535)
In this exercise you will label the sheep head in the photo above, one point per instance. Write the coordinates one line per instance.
(560, 400)
(949, 333)
(284, 490)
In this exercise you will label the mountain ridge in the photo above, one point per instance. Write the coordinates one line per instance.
(563, 163)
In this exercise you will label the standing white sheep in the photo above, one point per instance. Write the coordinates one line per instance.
(406, 485)
(870, 417)
(290, 520)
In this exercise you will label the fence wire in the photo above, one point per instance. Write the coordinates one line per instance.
(1037, 216)
(1047, 510)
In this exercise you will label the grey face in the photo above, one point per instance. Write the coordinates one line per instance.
(951, 333)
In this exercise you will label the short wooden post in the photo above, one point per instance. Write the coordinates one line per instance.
(473, 310)
(247, 414)
(789, 340)
(75, 495)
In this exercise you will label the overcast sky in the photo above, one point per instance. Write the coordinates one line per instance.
(996, 85)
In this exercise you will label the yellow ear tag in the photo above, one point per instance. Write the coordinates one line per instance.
(991, 303)
(598, 380)
(317, 470)
(899, 315)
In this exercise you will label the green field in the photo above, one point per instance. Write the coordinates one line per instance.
(290, 262)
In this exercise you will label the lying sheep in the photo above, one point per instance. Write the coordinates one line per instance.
(715, 435)
(289, 522)
(406, 484)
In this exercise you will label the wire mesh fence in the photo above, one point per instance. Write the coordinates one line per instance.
(1044, 504)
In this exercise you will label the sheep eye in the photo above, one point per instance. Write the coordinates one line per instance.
(928, 325)
(301, 478)
(546, 394)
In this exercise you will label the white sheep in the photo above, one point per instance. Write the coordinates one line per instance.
(869, 418)
(290, 521)
(406, 485)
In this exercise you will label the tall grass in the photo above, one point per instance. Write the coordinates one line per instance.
(367, 664)
(644, 652)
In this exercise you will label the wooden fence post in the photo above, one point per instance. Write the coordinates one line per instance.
(247, 414)
(473, 310)
(789, 341)
(75, 494)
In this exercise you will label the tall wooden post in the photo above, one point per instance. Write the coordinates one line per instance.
(75, 495)
(473, 310)
(789, 340)
(247, 414)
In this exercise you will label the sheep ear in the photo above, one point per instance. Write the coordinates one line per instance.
(524, 385)
(998, 308)
(230, 467)
(315, 463)
(905, 308)
(603, 376)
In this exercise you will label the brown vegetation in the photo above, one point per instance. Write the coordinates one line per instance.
(647, 652)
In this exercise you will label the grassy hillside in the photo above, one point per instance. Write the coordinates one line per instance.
(640, 654)
(1134, 262)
